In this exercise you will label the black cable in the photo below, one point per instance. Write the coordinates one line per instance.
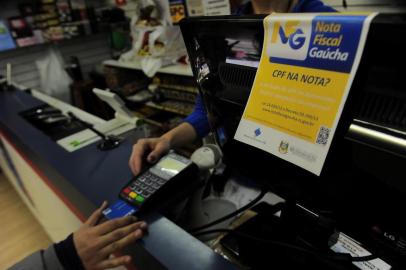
(108, 141)
(363, 258)
(337, 256)
(242, 209)
(88, 125)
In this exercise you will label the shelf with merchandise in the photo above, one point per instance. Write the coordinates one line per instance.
(173, 91)
(173, 107)
(177, 69)
(51, 42)
(173, 98)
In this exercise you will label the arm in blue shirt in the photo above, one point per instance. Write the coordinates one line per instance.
(301, 6)
(312, 6)
(198, 118)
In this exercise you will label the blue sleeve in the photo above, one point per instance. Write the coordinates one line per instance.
(198, 118)
(312, 6)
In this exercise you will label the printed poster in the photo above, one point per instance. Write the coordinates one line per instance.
(307, 66)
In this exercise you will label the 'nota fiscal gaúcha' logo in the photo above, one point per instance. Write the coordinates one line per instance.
(289, 39)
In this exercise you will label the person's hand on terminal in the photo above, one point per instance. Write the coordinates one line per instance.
(96, 242)
(152, 149)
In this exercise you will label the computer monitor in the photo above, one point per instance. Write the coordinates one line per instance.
(363, 180)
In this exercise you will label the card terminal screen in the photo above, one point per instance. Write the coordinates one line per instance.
(170, 166)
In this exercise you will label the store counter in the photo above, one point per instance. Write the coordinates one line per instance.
(62, 188)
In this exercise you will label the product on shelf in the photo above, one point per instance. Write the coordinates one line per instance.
(176, 94)
(6, 40)
(125, 80)
(134, 87)
(177, 10)
(175, 82)
(178, 107)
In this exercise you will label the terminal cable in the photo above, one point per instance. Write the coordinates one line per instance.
(242, 209)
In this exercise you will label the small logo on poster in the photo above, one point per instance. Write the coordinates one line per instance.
(283, 147)
(257, 132)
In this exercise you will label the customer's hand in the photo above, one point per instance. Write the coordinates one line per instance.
(154, 148)
(96, 242)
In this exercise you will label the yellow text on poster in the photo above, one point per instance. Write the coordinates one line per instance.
(295, 100)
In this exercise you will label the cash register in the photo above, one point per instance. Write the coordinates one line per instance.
(362, 187)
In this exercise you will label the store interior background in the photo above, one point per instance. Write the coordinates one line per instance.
(97, 52)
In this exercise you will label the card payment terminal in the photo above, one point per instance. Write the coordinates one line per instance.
(160, 183)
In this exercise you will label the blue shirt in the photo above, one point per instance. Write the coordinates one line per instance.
(198, 118)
